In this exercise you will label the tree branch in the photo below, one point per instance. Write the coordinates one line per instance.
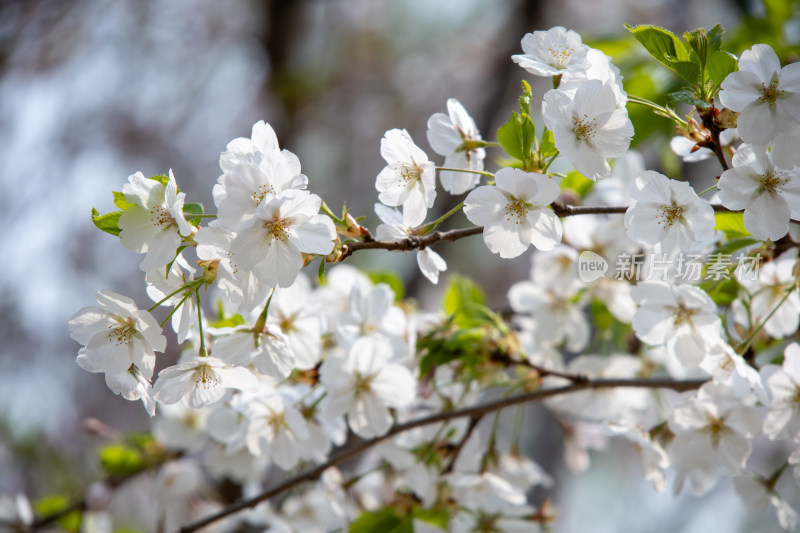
(473, 412)
(416, 242)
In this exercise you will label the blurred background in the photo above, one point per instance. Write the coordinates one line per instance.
(92, 91)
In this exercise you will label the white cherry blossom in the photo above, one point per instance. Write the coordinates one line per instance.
(588, 127)
(553, 52)
(713, 428)
(274, 428)
(284, 227)
(364, 385)
(667, 212)
(409, 178)
(769, 195)
(297, 312)
(514, 212)
(201, 381)
(456, 137)
(681, 316)
(154, 224)
(268, 350)
(252, 169)
(766, 96)
(116, 335)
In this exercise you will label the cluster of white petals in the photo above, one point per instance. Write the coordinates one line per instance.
(286, 369)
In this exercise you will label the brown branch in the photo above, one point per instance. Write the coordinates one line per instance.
(473, 412)
(411, 242)
(416, 242)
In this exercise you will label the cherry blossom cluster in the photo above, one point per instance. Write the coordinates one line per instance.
(286, 370)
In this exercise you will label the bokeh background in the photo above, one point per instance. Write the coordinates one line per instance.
(92, 91)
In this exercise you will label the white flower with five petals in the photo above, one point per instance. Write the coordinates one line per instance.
(514, 213)
(364, 385)
(154, 224)
(284, 227)
(116, 335)
(766, 96)
(769, 195)
(201, 381)
(588, 127)
(408, 179)
(667, 212)
(553, 52)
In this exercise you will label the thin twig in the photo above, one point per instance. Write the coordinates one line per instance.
(473, 422)
(474, 411)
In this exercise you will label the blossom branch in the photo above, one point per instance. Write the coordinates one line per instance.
(472, 412)
(415, 242)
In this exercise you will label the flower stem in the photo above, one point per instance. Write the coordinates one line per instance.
(746, 343)
(660, 110)
(430, 226)
(170, 295)
(544, 170)
(194, 286)
(203, 351)
(481, 172)
(707, 190)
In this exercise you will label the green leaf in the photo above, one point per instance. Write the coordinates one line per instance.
(193, 208)
(547, 148)
(120, 460)
(51, 505)
(389, 278)
(384, 521)
(732, 224)
(715, 39)
(668, 50)
(163, 179)
(720, 64)
(686, 96)
(108, 222)
(461, 293)
(516, 136)
(698, 41)
(120, 201)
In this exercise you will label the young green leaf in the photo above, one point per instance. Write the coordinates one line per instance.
(516, 136)
(193, 208)
(719, 65)
(120, 201)
(732, 224)
(120, 460)
(668, 50)
(108, 222)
